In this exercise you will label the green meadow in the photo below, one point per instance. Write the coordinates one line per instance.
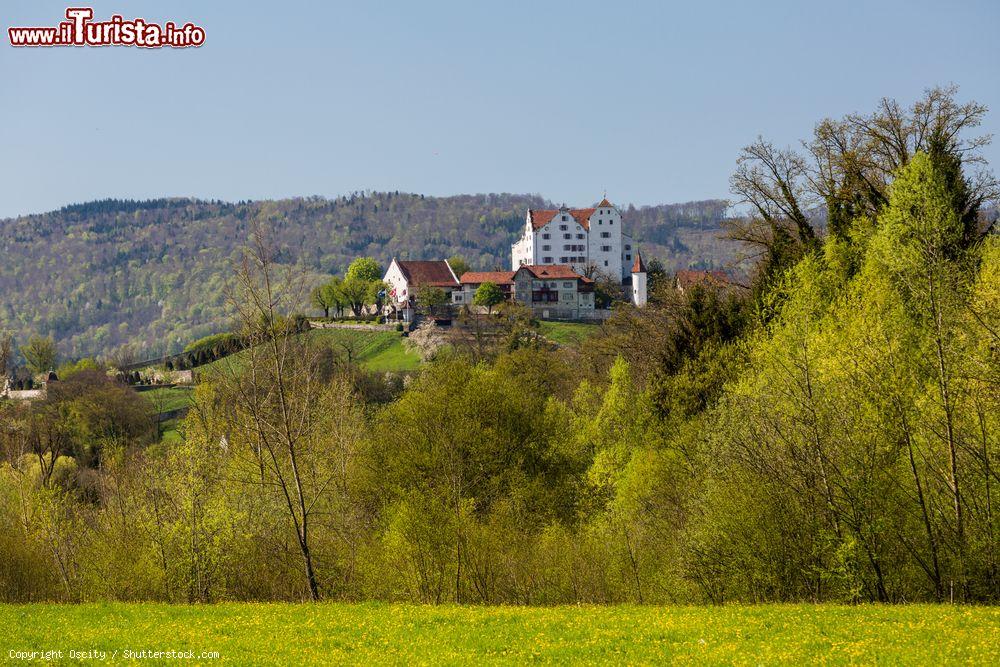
(568, 333)
(377, 351)
(332, 633)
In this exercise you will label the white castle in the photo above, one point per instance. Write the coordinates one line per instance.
(590, 240)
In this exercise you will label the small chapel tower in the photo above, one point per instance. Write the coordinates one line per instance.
(638, 280)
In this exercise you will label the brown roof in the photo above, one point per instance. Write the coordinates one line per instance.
(554, 272)
(688, 278)
(541, 218)
(480, 277)
(638, 266)
(435, 273)
(605, 204)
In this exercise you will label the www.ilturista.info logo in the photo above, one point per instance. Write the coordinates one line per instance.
(80, 30)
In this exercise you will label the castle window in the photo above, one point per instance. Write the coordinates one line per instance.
(579, 236)
(628, 246)
(546, 260)
(546, 247)
(546, 236)
(628, 256)
(564, 220)
(567, 236)
(605, 248)
(605, 262)
(562, 260)
(605, 235)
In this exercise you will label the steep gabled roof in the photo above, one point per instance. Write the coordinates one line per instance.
(638, 266)
(480, 277)
(582, 215)
(605, 204)
(436, 273)
(540, 218)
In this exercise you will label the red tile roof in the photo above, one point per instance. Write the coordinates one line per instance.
(689, 278)
(541, 218)
(480, 277)
(638, 266)
(435, 273)
(554, 272)
(582, 216)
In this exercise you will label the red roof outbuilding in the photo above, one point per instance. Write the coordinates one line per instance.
(436, 273)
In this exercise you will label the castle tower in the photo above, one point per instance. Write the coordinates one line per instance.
(638, 280)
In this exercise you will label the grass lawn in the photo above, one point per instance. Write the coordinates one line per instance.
(568, 333)
(330, 633)
(379, 351)
(167, 399)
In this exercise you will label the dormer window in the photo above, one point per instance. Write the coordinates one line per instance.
(564, 218)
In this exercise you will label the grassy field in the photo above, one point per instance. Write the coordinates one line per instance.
(568, 333)
(168, 399)
(379, 351)
(403, 634)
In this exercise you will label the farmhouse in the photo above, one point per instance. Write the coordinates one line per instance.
(553, 291)
(404, 279)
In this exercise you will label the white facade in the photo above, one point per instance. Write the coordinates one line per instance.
(399, 286)
(639, 286)
(590, 240)
(404, 278)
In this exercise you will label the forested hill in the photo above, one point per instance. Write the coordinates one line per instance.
(97, 275)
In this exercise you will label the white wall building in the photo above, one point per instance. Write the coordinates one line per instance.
(590, 240)
(404, 280)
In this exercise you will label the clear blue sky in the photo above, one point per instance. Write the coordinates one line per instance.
(649, 100)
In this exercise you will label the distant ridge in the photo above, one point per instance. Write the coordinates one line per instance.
(100, 274)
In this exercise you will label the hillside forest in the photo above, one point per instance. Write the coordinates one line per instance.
(153, 275)
(830, 433)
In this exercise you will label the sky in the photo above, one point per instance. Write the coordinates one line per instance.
(648, 101)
